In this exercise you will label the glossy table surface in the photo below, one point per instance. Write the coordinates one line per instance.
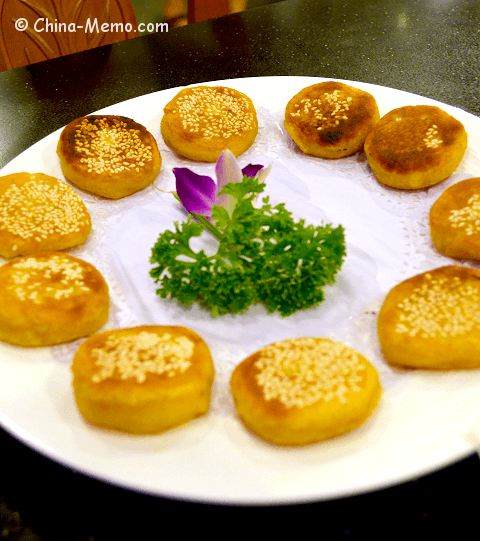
(427, 47)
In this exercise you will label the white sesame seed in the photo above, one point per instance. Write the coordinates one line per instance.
(33, 274)
(213, 112)
(300, 372)
(467, 217)
(137, 355)
(39, 208)
(442, 306)
(106, 144)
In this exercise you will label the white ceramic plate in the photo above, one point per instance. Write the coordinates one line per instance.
(424, 421)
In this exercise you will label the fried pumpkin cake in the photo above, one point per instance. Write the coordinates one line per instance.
(50, 298)
(415, 147)
(432, 320)
(39, 213)
(305, 390)
(331, 119)
(108, 155)
(455, 220)
(201, 122)
(143, 380)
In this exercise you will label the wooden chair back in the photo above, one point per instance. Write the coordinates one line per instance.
(36, 30)
(201, 10)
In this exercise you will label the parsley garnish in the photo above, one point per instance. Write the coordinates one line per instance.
(264, 256)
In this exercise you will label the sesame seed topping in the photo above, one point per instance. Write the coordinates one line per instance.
(431, 141)
(135, 356)
(107, 145)
(468, 217)
(326, 111)
(30, 275)
(214, 112)
(300, 372)
(442, 306)
(38, 208)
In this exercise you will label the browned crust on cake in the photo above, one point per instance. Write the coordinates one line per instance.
(415, 146)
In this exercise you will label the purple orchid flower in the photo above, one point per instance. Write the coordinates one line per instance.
(199, 193)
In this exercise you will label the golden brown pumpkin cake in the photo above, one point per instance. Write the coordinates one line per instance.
(331, 119)
(455, 220)
(108, 155)
(415, 147)
(304, 390)
(143, 380)
(201, 122)
(432, 320)
(50, 298)
(39, 213)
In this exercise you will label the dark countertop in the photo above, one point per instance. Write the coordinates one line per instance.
(428, 47)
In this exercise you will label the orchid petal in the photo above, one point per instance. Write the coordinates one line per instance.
(196, 192)
(263, 173)
(227, 171)
(251, 170)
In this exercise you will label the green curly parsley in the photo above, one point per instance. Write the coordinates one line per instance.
(264, 256)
